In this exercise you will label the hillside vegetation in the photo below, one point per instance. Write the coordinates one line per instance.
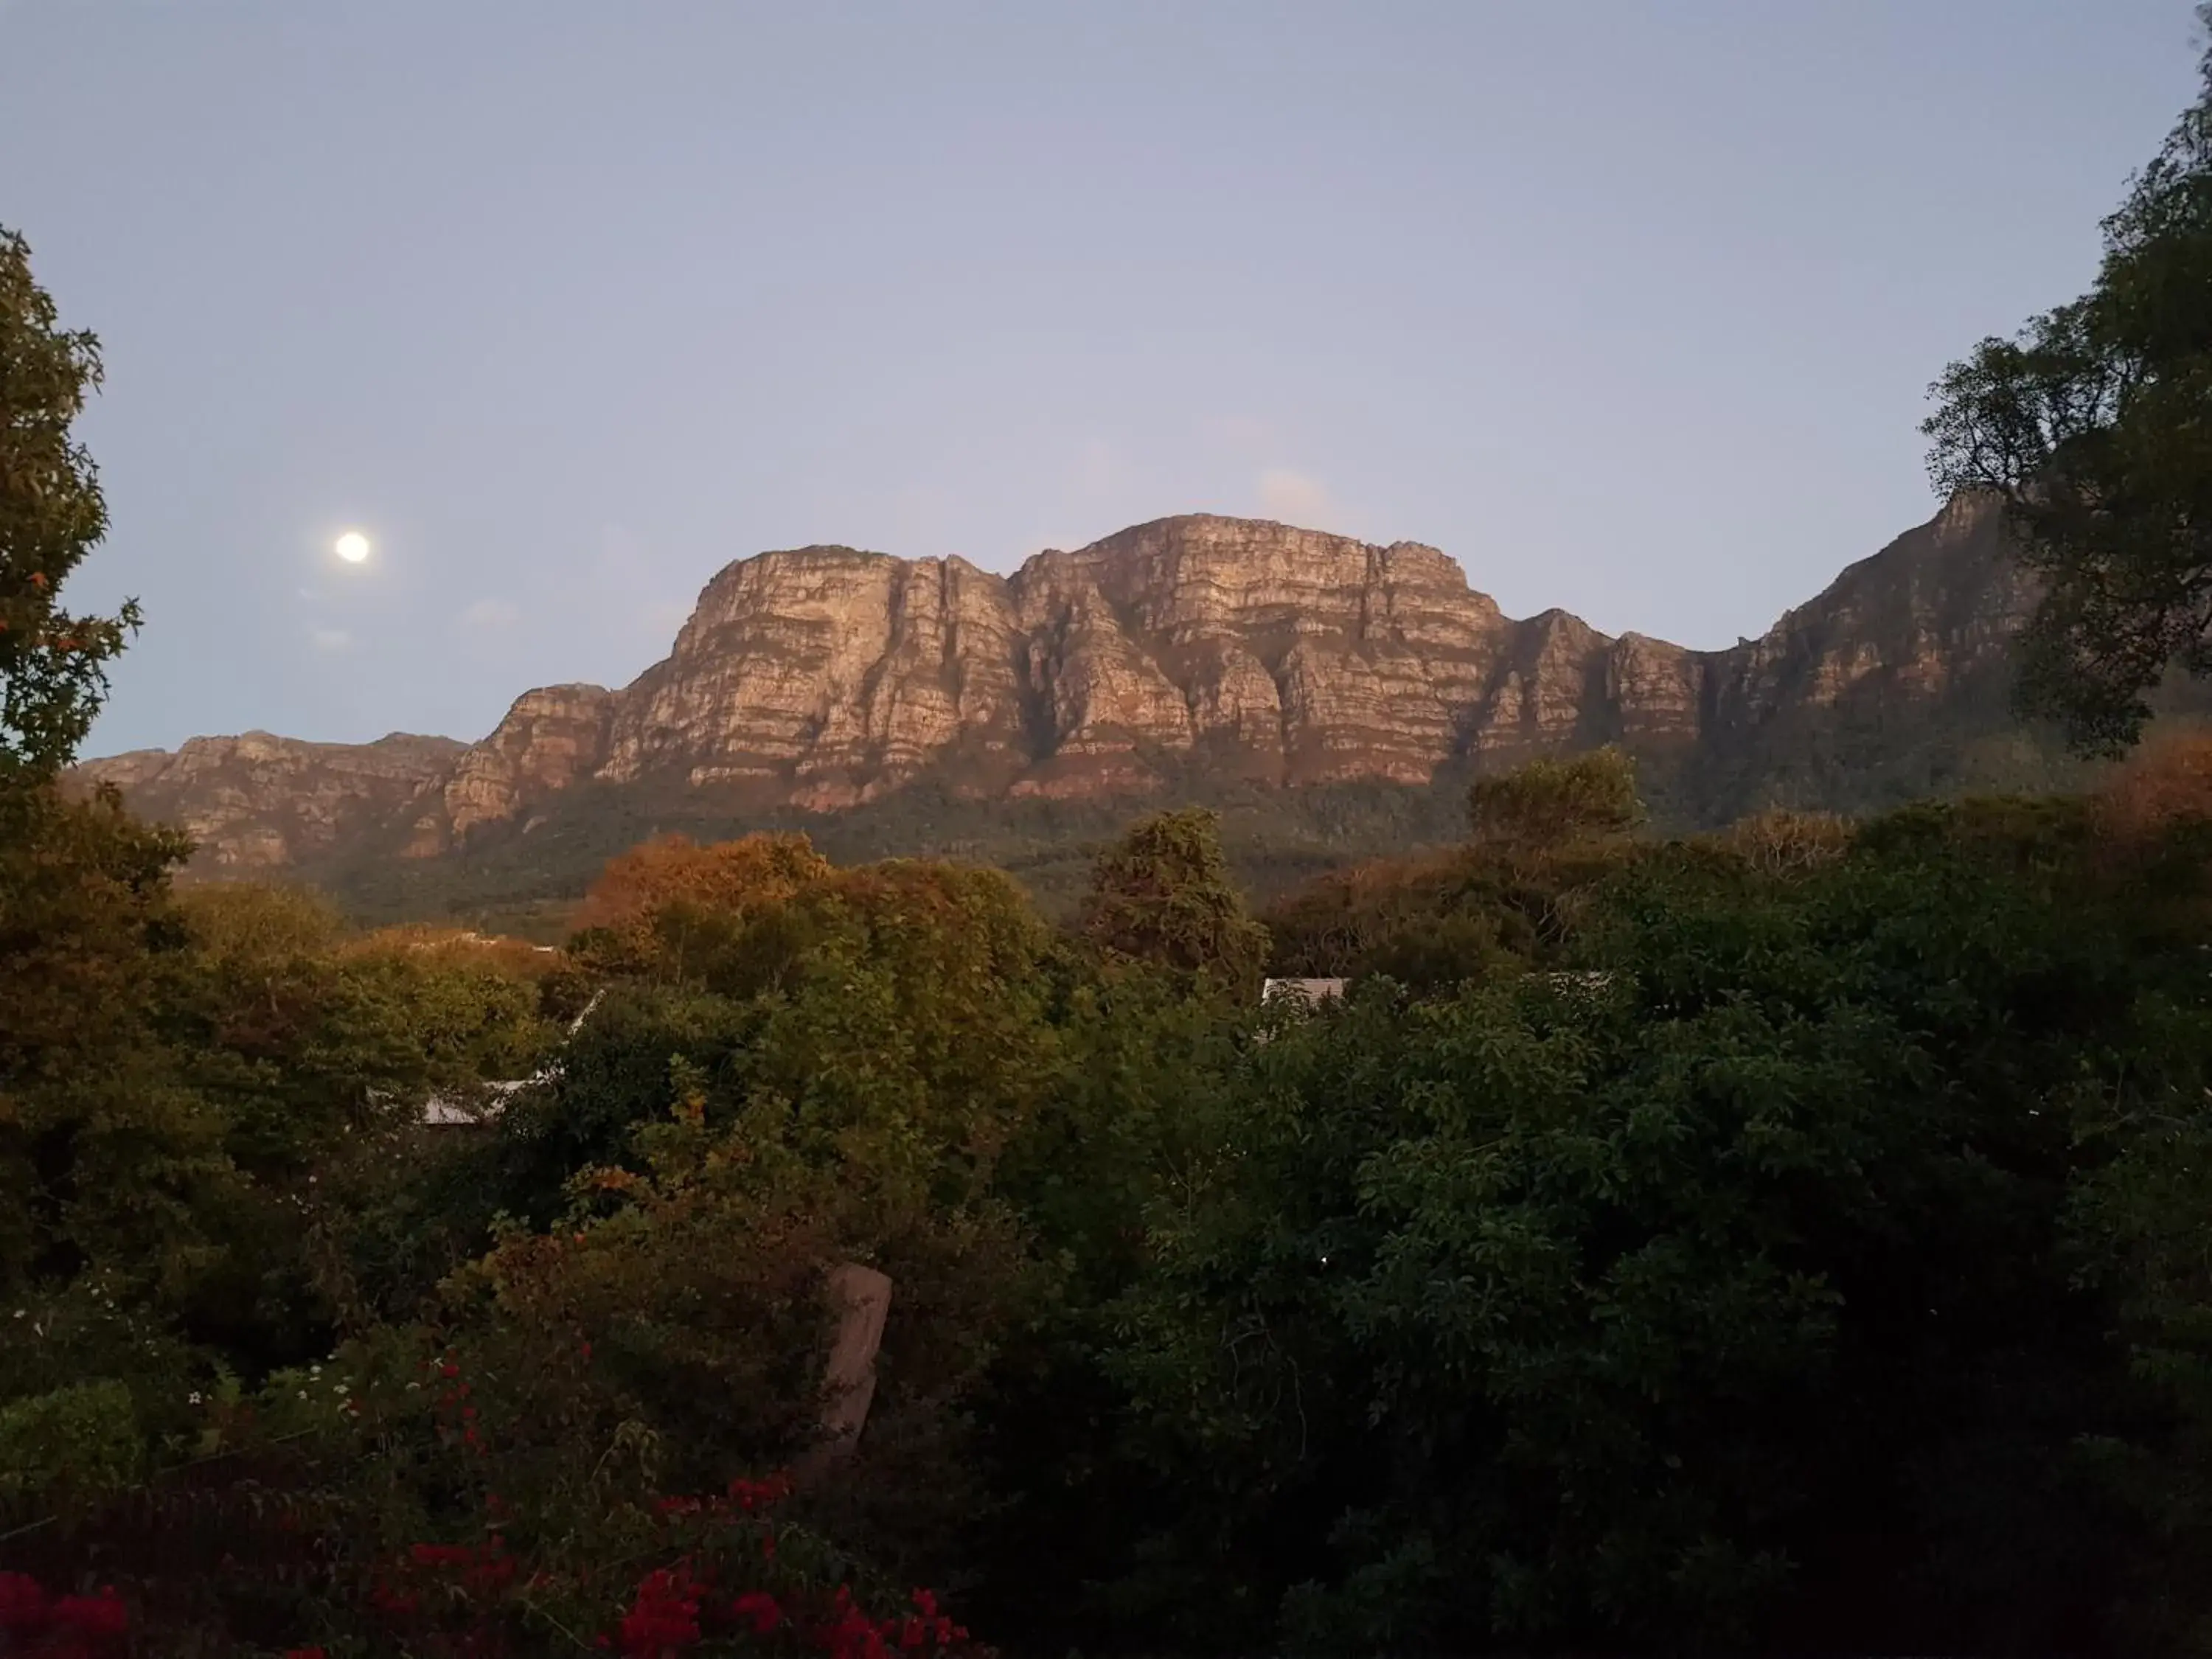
(1788, 1238)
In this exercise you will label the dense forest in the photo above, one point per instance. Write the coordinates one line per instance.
(1790, 1239)
(1795, 1238)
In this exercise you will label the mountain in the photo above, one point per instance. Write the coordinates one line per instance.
(1309, 678)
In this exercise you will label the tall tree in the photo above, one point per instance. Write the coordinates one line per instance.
(2095, 424)
(54, 666)
(1163, 893)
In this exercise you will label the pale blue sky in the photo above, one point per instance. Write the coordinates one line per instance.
(1629, 307)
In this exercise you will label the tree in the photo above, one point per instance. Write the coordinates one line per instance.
(104, 1158)
(641, 913)
(1548, 802)
(2091, 426)
(1163, 893)
(1726, 1306)
(54, 666)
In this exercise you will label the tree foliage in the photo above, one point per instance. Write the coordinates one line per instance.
(1686, 1309)
(1552, 800)
(53, 664)
(2092, 424)
(1161, 894)
(646, 902)
(1825, 1272)
(1543, 836)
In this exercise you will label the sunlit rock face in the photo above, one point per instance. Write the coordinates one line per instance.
(258, 802)
(1938, 605)
(831, 675)
(552, 738)
(821, 677)
(826, 675)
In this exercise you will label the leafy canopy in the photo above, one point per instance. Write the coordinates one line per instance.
(1163, 893)
(1549, 801)
(2092, 424)
(54, 666)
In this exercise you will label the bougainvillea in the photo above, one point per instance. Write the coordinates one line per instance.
(33, 1622)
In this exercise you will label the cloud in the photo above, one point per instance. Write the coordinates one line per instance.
(491, 613)
(1293, 497)
(330, 639)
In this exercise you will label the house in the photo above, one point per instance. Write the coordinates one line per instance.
(1588, 979)
(1308, 993)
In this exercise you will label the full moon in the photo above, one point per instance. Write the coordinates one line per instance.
(353, 547)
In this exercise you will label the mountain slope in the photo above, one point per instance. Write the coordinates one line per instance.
(1317, 680)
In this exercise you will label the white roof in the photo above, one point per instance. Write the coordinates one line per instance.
(1301, 990)
(446, 1110)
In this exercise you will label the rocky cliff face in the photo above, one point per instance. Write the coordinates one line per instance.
(552, 738)
(257, 803)
(824, 678)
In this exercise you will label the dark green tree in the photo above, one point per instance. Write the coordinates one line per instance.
(2095, 425)
(54, 666)
(1727, 1306)
(1163, 893)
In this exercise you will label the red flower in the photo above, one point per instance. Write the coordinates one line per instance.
(93, 1616)
(854, 1636)
(760, 1494)
(388, 1600)
(305, 1653)
(664, 1617)
(759, 1607)
(22, 1603)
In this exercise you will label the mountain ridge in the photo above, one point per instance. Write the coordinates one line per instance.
(812, 681)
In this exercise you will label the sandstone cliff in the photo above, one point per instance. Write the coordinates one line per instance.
(824, 678)
(257, 803)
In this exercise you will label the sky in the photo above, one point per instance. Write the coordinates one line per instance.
(1631, 307)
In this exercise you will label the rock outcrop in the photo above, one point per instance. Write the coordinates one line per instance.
(257, 803)
(552, 738)
(824, 678)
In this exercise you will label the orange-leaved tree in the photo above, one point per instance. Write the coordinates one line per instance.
(639, 914)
